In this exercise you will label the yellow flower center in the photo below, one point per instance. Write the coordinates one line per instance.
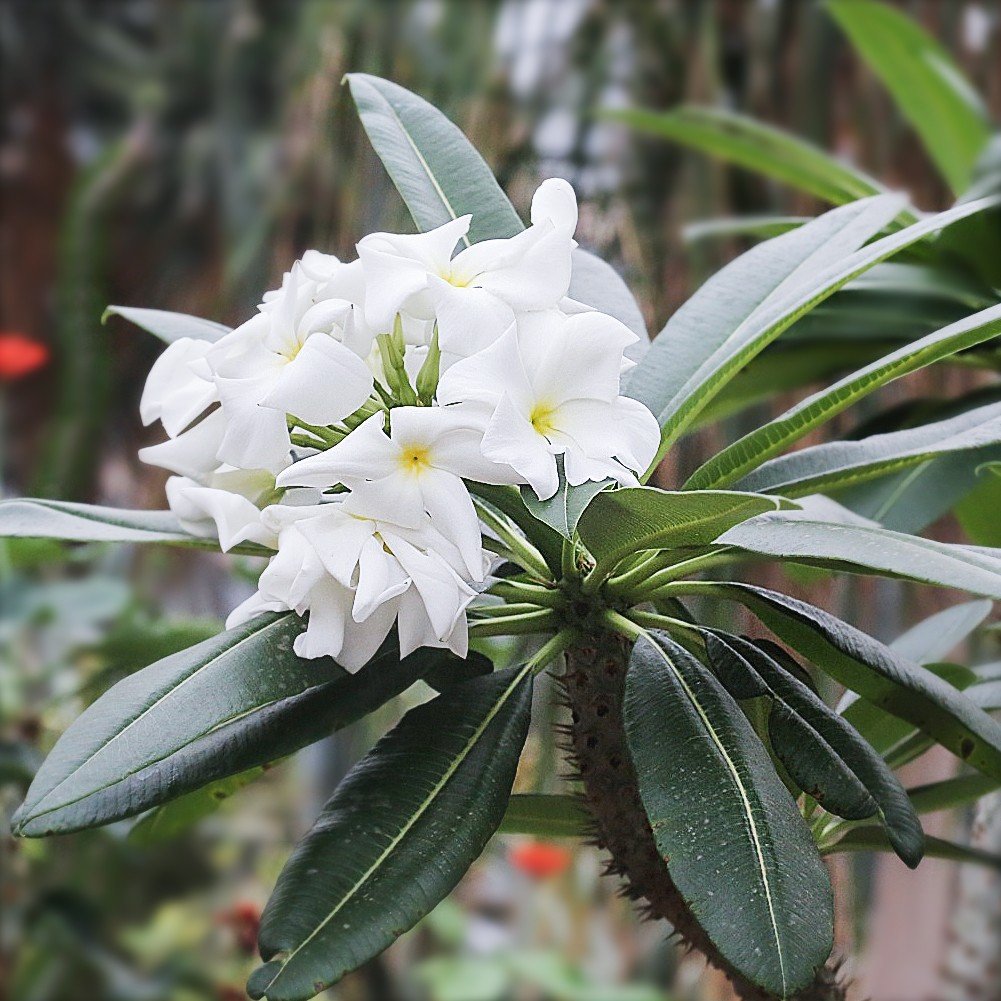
(542, 418)
(414, 458)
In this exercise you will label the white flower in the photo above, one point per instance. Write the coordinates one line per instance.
(550, 386)
(303, 354)
(226, 506)
(179, 386)
(193, 453)
(356, 576)
(473, 296)
(413, 474)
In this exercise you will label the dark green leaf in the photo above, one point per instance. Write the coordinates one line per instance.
(233, 702)
(843, 743)
(563, 510)
(866, 666)
(950, 793)
(398, 834)
(737, 847)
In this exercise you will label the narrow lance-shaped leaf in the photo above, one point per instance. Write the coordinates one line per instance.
(169, 327)
(563, 510)
(546, 816)
(873, 839)
(839, 464)
(929, 88)
(238, 700)
(755, 146)
(865, 548)
(720, 815)
(753, 449)
(38, 518)
(866, 666)
(748, 304)
(398, 834)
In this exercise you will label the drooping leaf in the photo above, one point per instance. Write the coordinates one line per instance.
(596, 283)
(169, 327)
(753, 449)
(398, 834)
(840, 464)
(755, 146)
(929, 88)
(795, 749)
(552, 816)
(873, 839)
(868, 549)
(618, 523)
(37, 518)
(866, 666)
(231, 703)
(720, 813)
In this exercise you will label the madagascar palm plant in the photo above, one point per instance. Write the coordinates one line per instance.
(710, 769)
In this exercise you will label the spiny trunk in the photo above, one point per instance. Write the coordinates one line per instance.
(594, 683)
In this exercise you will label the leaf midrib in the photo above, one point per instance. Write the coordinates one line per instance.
(748, 812)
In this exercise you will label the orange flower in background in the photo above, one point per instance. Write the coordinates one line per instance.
(540, 859)
(245, 920)
(20, 356)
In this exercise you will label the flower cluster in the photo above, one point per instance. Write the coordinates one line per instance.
(340, 424)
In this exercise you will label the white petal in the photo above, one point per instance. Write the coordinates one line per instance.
(511, 438)
(174, 393)
(329, 609)
(447, 501)
(555, 201)
(380, 579)
(365, 452)
(256, 437)
(469, 319)
(256, 604)
(363, 639)
(488, 375)
(323, 384)
(233, 517)
(338, 542)
(193, 453)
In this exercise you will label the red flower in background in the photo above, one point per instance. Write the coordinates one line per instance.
(20, 356)
(245, 920)
(539, 859)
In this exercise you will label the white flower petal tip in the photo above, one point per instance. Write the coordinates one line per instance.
(555, 201)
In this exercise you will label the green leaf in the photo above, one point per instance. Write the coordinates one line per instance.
(860, 548)
(840, 464)
(774, 437)
(563, 510)
(168, 821)
(749, 303)
(236, 701)
(873, 839)
(433, 165)
(756, 227)
(928, 87)
(619, 523)
(738, 850)
(35, 518)
(951, 793)
(866, 666)
(934, 638)
(596, 283)
(804, 760)
(546, 816)
(398, 834)
(761, 148)
(169, 327)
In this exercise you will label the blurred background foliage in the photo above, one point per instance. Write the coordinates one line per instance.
(180, 154)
